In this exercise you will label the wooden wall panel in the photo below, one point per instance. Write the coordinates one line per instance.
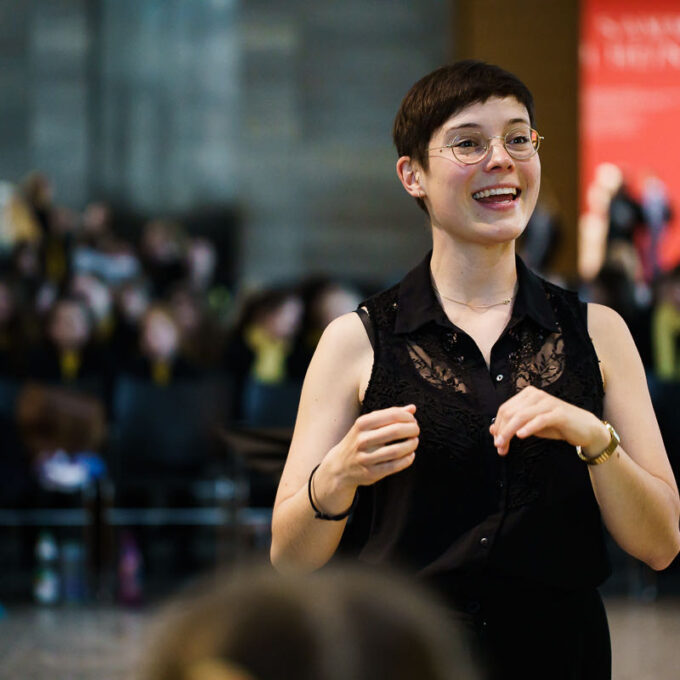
(538, 41)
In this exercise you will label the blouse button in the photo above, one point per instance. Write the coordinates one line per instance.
(473, 607)
(499, 377)
(484, 542)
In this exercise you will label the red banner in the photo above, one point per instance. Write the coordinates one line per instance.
(630, 113)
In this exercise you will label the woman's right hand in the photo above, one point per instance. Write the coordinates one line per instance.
(378, 444)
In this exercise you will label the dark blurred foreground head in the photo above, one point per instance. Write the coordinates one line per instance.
(338, 624)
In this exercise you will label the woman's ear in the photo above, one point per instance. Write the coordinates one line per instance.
(410, 176)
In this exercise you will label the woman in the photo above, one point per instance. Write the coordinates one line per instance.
(448, 436)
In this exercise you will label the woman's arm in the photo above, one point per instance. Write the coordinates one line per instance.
(635, 488)
(637, 494)
(351, 450)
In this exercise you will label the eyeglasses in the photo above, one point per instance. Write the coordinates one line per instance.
(473, 147)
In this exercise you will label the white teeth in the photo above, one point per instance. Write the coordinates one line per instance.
(494, 192)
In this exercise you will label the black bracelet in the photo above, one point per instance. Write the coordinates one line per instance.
(322, 515)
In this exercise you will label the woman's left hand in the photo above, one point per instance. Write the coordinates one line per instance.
(535, 412)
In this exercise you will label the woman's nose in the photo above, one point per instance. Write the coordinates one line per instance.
(497, 154)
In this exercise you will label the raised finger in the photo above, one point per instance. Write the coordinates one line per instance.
(529, 395)
(389, 452)
(374, 419)
(393, 466)
(543, 425)
(373, 439)
(508, 428)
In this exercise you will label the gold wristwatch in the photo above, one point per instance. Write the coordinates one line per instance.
(610, 448)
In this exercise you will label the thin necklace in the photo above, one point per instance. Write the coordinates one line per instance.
(505, 301)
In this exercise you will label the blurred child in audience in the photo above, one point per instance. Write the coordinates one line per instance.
(38, 193)
(666, 328)
(262, 341)
(201, 260)
(162, 249)
(12, 335)
(131, 300)
(199, 335)
(68, 356)
(160, 359)
(324, 299)
(100, 301)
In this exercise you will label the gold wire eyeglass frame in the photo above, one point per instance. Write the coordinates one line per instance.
(504, 139)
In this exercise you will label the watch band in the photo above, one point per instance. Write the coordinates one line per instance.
(609, 449)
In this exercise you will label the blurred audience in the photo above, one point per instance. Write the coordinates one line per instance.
(666, 328)
(83, 309)
(541, 239)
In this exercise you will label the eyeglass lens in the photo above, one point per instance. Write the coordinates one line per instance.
(472, 146)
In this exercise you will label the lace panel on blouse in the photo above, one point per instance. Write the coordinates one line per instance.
(538, 359)
(438, 372)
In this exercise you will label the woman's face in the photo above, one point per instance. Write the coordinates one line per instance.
(69, 326)
(159, 336)
(451, 187)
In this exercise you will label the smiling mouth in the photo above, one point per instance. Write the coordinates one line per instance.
(497, 195)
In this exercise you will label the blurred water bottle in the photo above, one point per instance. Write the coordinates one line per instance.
(73, 579)
(129, 571)
(46, 584)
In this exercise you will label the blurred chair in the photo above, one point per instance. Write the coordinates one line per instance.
(259, 454)
(9, 389)
(258, 445)
(162, 435)
(270, 404)
(167, 467)
(14, 468)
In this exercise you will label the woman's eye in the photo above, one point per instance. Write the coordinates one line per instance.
(519, 137)
(466, 143)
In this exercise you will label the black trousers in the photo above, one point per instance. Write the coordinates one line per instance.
(532, 633)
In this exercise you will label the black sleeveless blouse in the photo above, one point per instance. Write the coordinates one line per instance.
(461, 511)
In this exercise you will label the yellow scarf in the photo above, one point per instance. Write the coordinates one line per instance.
(69, 364)
(160, 372)
(270, 355)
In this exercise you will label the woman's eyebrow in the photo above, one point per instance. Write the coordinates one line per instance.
(465, 126)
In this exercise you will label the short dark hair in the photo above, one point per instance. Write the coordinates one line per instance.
(444, 92)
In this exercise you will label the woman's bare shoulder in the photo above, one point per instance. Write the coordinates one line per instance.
(608, 329)
(347, 335)
(344, 355)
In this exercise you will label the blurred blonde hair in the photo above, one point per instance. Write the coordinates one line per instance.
(337, 624)
(17, 223)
